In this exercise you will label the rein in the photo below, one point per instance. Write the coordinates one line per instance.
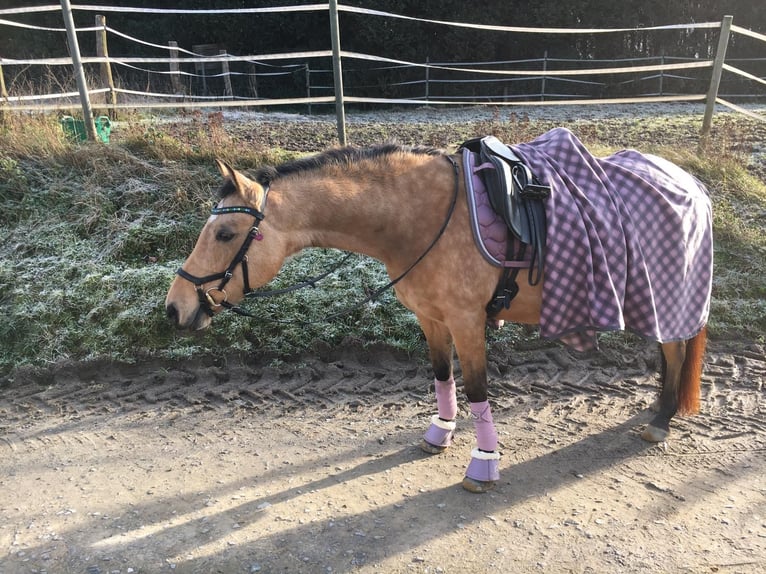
(207, 303)
(311, 282)
(380, 290)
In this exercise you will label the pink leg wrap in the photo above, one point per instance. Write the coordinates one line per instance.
(446, 399)
(443, 425)
(486, 436)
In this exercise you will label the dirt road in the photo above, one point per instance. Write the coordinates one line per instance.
(312, 466)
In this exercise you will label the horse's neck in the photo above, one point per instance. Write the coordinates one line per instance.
(354, 210)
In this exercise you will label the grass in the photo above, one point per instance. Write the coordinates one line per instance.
(739, 221)
(92, 234)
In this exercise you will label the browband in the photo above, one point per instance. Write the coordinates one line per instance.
(239, 209)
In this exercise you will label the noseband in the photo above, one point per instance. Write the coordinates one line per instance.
(206, 301)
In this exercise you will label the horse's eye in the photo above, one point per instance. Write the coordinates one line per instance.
(224, 235)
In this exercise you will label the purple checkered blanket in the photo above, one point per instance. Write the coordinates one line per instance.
(629, 243)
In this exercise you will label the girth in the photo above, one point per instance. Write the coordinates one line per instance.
(517, 197)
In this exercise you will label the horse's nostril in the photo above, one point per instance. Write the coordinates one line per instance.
(172, 313)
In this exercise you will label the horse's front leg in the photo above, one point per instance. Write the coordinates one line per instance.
(483, 471)
(439, 434)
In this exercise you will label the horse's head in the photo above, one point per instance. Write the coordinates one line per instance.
(234, 253)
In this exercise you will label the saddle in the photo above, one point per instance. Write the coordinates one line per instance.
(517, 197)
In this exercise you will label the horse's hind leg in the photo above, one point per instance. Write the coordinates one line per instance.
(673, 357)
(655, 406)
(682, 374)
(439, 434)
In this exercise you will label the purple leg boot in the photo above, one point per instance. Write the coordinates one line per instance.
(483, 472)
(439, 434)
(484, 466)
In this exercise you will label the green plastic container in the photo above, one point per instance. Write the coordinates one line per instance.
(75, 128)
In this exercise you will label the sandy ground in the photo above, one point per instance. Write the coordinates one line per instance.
(313, 466)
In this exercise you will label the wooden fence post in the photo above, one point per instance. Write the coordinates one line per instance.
(3, 95)
(228, 92)
(175, 76)
(340, 113)
(79, 73)
(428, 78)
(3, 91)
(106, 67)
(252, 81)
(308, 84)
(715, 80)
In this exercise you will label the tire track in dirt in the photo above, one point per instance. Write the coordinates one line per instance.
(732, 387)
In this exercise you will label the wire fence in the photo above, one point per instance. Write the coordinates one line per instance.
(208, 75)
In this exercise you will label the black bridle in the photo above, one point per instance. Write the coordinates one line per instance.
(208, 304)
(206, 300)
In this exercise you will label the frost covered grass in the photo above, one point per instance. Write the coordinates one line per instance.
(738, 307)
(92, 234)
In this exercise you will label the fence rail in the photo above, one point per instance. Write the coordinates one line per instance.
(367, 77)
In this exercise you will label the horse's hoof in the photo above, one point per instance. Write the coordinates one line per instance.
(654, 434)
(478, 486)
(426, 446)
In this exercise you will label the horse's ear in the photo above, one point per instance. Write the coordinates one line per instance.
(240, 181)
(242, 184)
(225, 169)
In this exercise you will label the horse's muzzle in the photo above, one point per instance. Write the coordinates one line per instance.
(199, 320)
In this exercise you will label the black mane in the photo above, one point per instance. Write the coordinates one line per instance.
(337, 156)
